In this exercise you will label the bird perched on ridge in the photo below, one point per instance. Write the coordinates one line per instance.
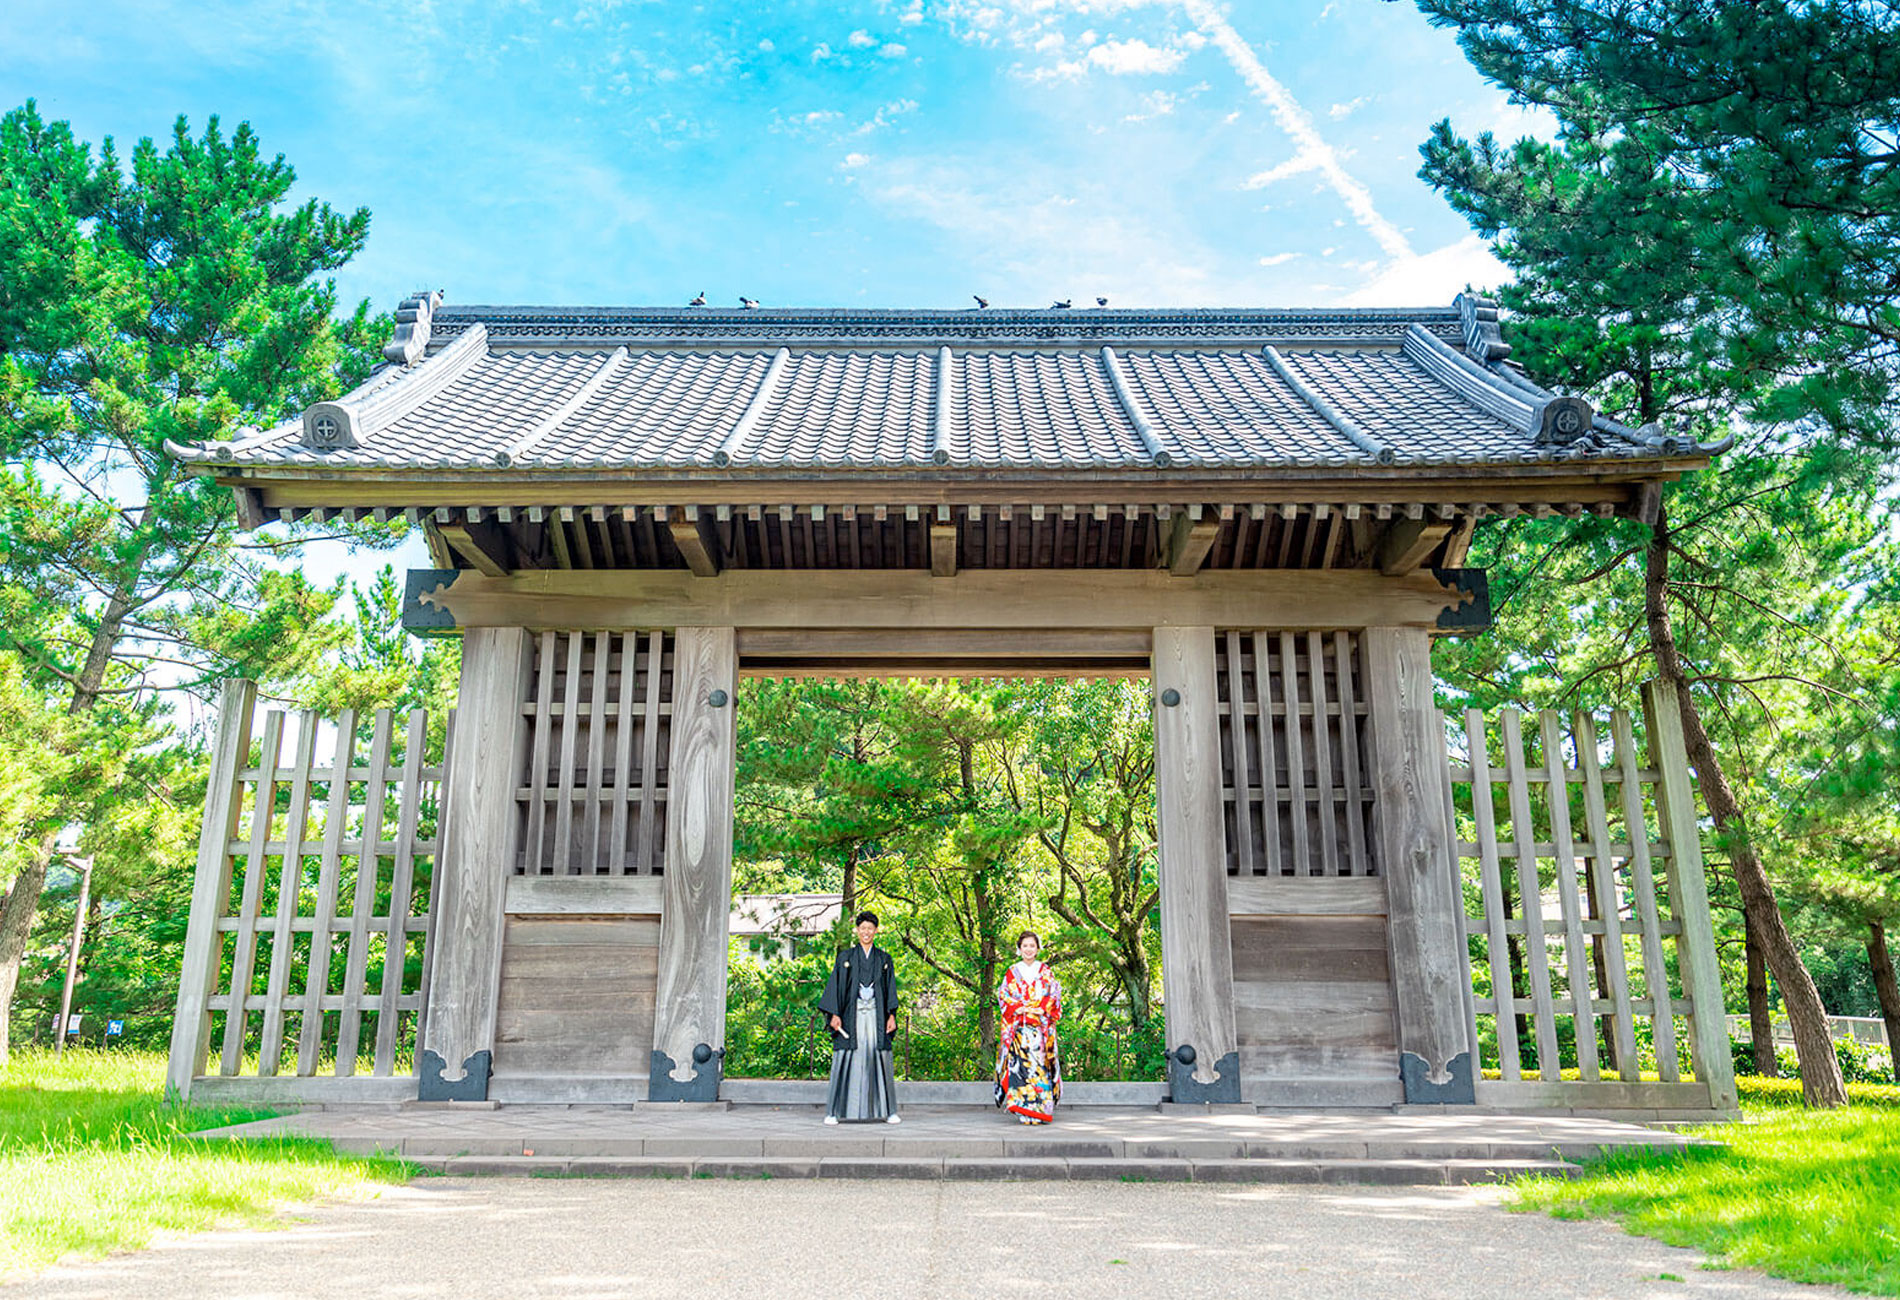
(1062, 305)
(748, 302)
(1101, 302)
(699, 301)
(981, 301)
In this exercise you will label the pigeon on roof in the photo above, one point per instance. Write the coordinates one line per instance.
(1101, 302)
(1062, 305)
(699, 300)
(981, 301)
(748, 303)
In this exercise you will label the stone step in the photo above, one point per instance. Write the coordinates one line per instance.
(571, 1145)
(1386, 1172)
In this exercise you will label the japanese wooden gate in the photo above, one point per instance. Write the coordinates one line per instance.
(674, 504)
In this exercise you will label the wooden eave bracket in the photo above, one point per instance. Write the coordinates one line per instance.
(485, 546)
(1191, 536)
(692, 534)
(1407, 542)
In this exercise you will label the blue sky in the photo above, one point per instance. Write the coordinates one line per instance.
(886, 152)
(876, 153)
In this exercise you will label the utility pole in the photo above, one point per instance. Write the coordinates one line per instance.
(72, 957)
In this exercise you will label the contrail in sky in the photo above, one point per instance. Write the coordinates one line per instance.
(1311, 152)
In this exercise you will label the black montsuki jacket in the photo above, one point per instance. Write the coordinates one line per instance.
(840, 998)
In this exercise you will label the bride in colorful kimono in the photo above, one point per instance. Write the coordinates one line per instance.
(1029, 1062)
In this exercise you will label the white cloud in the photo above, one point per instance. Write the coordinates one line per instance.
(1049, 41)
(885, 115)
(766, 45)
(861, 40)
(1135, 58)
(854, 160)
(820, 52)
(1030, 238)
(1436, 277)
(894, 50)
(1277, 259)
(1311, 150)
(1158, 103)
(1348, 108)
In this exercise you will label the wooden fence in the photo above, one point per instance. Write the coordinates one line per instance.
(306, 953)
(1592, 951)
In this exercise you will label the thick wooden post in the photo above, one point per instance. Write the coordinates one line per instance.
(210, 891)
(1426, 921)
(1696, 956)
(475, 858)
(1197, 954)
(689, 1019)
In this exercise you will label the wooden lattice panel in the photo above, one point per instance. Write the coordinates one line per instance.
(593, 801)
(310, 926)
(1564, 838)
(1293, 754)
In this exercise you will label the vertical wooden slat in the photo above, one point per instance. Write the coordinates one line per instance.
(644, 860)
(1564, 877)
(1237, 732)
(1491, 886)
(441, 824)
(289, 893)
(596, 751)
(623, 752)
(1696, 954)
(336, 816)
(211, 888)
(1326, 795)
(401, 879)
(1269, 771)
(356, 962)
(1198, 976)
(1615, 963)
(563, 853)
(244, 953)
(1349, 752)
(1295, 756)
(1662, 1019)
(539, 859)
(1530, 895)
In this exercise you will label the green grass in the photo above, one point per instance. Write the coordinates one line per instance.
(1813, 1196)
(92, 1160)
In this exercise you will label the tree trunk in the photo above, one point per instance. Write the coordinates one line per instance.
(1601, 970)
(1821, 1083)
(1886, 988)
(1520, 982)
(850, 903)
(22, 904)
(23, 899)
(1761, 1022)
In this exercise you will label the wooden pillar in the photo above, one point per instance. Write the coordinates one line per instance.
(1197, 956)
(1426, 921)
(1696, 955)
(689, 1018)
(478, 843)
(210, 891)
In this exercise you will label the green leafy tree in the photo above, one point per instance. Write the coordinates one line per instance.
(170, 297)
(1703, 245)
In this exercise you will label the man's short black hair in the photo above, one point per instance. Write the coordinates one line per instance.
(866, 916)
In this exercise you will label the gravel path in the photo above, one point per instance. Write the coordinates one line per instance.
(574, 1238)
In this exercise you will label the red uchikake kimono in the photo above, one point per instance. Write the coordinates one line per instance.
(1029, 1059)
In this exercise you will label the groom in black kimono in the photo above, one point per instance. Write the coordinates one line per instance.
(860, 1008)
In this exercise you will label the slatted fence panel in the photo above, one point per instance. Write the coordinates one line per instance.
(1576, 936)
(1292, 733)
(593, 800)
(313, 945)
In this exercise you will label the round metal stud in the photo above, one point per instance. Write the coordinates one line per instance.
(1171, 697)
(718, 699)
(701, 1054)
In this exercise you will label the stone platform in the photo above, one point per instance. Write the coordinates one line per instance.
(1178, 1144)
